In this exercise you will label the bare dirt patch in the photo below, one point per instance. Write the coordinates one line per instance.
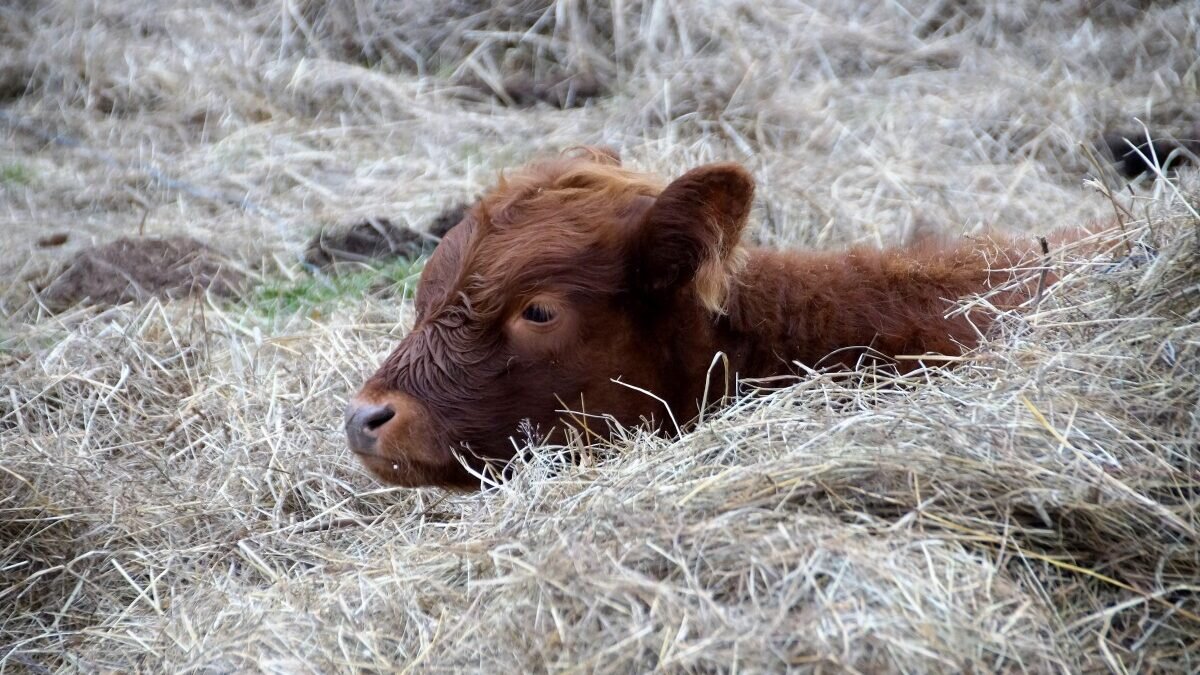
(526, 89)
(378, 239)
(1137, 152)
(448, 218)
(133, 270)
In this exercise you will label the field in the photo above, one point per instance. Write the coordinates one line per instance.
(175, 491)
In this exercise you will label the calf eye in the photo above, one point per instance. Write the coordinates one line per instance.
(537, 314)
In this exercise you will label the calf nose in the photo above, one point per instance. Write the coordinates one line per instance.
(363, 422)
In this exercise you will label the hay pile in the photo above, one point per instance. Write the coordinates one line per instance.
(174, 488)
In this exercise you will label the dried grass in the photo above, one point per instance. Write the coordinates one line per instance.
(174, 489)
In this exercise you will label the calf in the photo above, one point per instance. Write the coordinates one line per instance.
(575, 283)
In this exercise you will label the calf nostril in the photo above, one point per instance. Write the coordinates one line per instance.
(373, 419)
(363, 423)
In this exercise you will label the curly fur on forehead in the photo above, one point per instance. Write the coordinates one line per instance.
(558, 223)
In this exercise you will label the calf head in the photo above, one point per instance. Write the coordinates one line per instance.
(569, 275)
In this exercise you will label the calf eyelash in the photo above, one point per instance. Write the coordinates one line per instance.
(537, 314)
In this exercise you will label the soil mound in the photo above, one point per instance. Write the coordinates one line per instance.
(448, 218)
(525, 91)
(134, 270)
(1136, 152)
(378, 239)
(374, 239)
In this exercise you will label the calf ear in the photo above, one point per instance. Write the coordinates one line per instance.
(444, 266)
(692, 234)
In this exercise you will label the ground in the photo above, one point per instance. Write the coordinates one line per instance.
(175, 492)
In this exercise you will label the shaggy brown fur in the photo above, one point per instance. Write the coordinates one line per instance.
(575, 277)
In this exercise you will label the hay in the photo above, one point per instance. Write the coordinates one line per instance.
(174, 488)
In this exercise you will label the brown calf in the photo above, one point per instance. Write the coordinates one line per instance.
(574, 273)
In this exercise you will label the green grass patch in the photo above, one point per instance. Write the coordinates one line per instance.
(311, 293)
(15, 173)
